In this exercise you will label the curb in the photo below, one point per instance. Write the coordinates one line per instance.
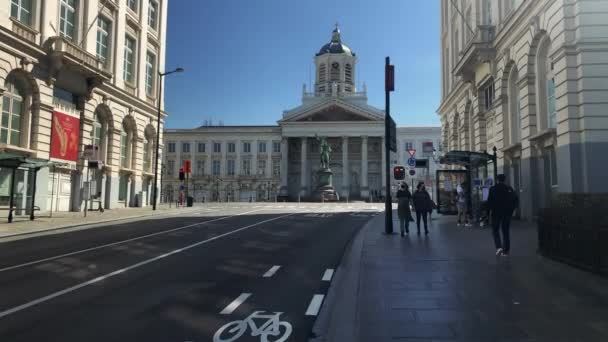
(84, 226)
(337, 320)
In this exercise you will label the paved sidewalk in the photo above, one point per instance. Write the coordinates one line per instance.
(64, 220)
(449, 286)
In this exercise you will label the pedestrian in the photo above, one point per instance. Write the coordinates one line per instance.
(502, 201)
(462, 205)
(422, 205)
(404, 198)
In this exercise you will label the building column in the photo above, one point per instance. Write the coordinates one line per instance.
(345, 168)
(178, 158)
(303, 173)
(193, 150)
(237, 161)
(254, 160)
(383, 167)
(364, 186)
(284, 165)
(269, 146)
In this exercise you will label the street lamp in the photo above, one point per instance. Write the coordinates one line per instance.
(160, 96)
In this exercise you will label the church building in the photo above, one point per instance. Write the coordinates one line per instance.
(258, 163)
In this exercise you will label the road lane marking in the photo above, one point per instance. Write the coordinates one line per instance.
(315, 305)
(235, 304)
(121, 242)
(129, 268)
(271, 271)
(329, 273)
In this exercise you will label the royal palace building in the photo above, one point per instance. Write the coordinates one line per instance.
(79, 82)
(261, 163)
(529, 77)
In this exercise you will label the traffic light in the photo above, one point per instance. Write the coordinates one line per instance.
(182, 176)
(399, 172)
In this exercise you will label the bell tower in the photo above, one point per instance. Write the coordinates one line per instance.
(335, 68)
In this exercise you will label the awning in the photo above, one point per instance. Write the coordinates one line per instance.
(466, 158)
(13, 161)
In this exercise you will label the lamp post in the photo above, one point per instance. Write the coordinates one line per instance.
(160, 95)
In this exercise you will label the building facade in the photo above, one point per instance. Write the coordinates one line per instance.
(531, 79)
(77, 73)
(257, 163)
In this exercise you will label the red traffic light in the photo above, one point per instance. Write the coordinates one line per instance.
(399, 172)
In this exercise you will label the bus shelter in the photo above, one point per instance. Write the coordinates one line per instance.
(473, 175)
(10, 165)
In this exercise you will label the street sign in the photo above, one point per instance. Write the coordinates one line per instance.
(389, 78)
(187, 166)
(411, 161)
(412, 172)
(393, 134)
(412, 152)
(422, 163)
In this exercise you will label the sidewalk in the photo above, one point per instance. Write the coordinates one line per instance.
(451, 287)
(65, 220)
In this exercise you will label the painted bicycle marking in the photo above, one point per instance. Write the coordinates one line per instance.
(271, 327)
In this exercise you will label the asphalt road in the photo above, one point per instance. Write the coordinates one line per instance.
(242, 273)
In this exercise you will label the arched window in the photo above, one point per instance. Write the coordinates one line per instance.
(124, 149)
(455, 134)
(348, 73)
(13, 106)
(149, 149)
(322, 72)
(546, 86)
(514, 106)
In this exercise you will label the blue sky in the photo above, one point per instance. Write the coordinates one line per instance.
(246, 60)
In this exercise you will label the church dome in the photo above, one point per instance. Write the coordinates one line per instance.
(335, 46)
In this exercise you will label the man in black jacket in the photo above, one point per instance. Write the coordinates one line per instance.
(502, 201)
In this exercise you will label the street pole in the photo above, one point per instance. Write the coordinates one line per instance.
(388, 224)
(157, 147)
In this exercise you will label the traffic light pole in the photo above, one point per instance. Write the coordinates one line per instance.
(388, 207)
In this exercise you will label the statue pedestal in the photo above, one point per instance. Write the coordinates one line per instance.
(325, 191)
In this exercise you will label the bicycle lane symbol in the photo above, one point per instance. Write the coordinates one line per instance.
(272, 326)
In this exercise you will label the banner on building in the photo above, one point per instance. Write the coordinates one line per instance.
(65, 134)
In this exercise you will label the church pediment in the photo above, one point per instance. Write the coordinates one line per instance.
(334, 113)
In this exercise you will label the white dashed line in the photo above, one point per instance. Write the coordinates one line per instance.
(271, 271)
(315, 305)
(329, 273)
(235, 304)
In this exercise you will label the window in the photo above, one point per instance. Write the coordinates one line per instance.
(514, 110)
(216, 167)
(551, 165)
(217, 147)
(201, 147)
(488, 95)
(546, 86)
(276, 167)
(103, 39)
(348, 72)
(409, 145)
(322, 72)
(186, 147)
(200, 167)
(247, 147)
(22, 11)
(124, 149)
(150, 73)
(262, 147)
(129, 62)
(132, 4)
(551, 108)
(153, 15)
(67, 19)
(276, 146)
(123, 183)
(97, 134)
(231, 147)
(147, 145)
(171, 147)
(487, 12)
(230, 167)
(12, 114)
(468, 26)
(247, 167)
(262, 168)
(170, 167)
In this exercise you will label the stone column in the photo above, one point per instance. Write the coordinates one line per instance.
(284, 165)
(269, 146)
(345, 168)
(254, 159)
(364, 186)
(237, 161)
(193, 150)
(383, 167)
(303, 173)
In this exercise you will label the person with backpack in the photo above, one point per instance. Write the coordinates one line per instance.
(422, 205)
(502, 202)
(404, 197)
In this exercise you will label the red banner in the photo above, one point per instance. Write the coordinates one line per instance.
(65, 133)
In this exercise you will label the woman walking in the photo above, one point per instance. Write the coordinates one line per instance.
(404, 197)
(422, 205)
